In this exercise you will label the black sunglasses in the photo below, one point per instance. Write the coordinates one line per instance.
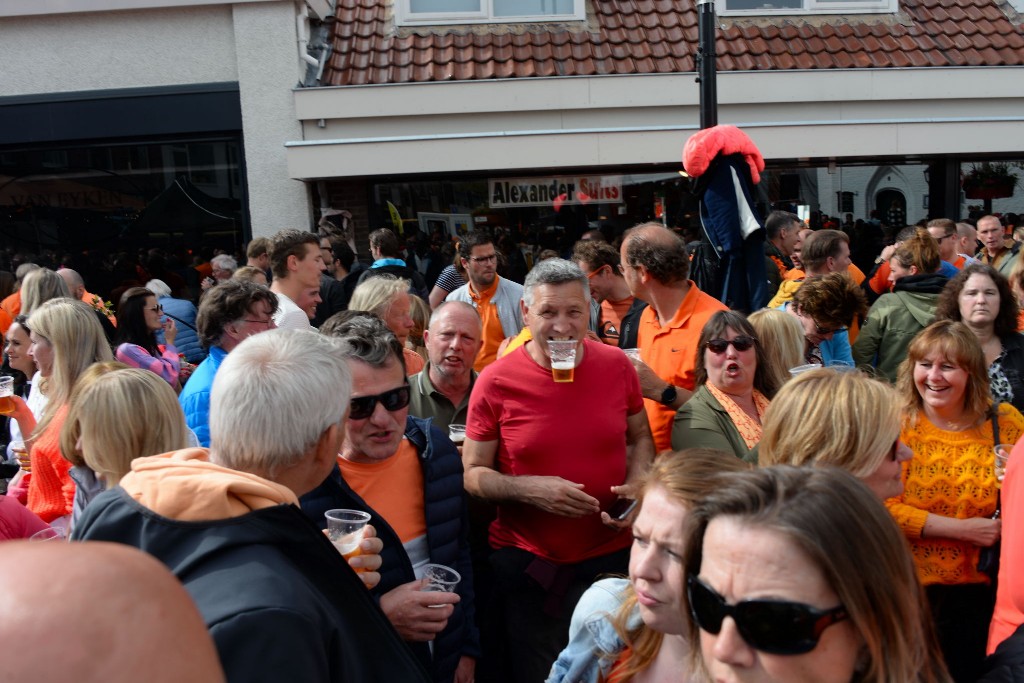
(740, 343)
(362, 407)
(772, 626)
(827, 330)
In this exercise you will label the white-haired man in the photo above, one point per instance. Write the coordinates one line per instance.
(277, 597)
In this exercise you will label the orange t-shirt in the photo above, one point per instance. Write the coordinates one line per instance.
(393, 488)
(12, 304)
(413, 361)
(670, 349)
(493, 334)
(612, 313)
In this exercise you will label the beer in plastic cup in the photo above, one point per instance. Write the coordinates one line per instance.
(6, 395)
(1002, 457)
(457, 433)
(345, 529)
(563, 358)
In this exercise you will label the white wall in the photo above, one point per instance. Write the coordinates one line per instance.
(268, 69)
(251, 43)
(107, 50)
(616, 120)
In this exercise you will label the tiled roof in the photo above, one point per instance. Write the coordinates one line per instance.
(660, 36)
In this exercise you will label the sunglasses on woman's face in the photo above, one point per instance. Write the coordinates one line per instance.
(362, 407)
(740, 343)
(772, 626)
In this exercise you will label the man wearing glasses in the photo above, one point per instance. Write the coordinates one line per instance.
(657, 267)
(229, 313)
(407, 474)
(494, 298)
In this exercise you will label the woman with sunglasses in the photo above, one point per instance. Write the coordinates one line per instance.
(798, 575)
(948, 507)
(900, 314)
(734, 388)
(629, 630)
(139, 318)
(981, 298)
(868, 447)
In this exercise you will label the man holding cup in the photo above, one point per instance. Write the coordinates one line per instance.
(407, 475)
(554, 455)
(277, 597)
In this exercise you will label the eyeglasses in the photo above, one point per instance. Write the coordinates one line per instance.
(483, 259)
(827, 330)
(362, 407)
(594, 272)
(776, 627)
(158, 308)
(740, 343)
(258, 322)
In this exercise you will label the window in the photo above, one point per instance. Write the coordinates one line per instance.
(487, 11)
(762, 7)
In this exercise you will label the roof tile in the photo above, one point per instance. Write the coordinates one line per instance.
(660, 36)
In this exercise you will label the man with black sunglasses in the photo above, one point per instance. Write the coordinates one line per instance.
(407, 474)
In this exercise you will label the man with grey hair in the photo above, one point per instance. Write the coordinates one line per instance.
(441, 390)
(408, 476)
(554, 456)
(279, 600)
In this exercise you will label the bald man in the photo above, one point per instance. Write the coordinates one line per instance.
(441, 389)
(76, 285)
(109, 614)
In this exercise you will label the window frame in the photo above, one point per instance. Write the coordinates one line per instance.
(405, 17)
(815, 7)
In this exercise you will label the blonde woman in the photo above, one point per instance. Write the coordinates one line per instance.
(117, 414)
(40, 286)
(782, 341)
(634, 629)
(808, 423)
(66, 339)
(387, 297)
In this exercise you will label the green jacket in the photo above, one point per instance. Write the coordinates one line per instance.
(703, 423)
(894, 320)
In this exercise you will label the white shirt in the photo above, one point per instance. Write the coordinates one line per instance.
(289, 316)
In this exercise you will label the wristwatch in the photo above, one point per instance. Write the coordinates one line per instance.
(668, 397)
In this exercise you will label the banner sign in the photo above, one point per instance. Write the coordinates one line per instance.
(554, 191)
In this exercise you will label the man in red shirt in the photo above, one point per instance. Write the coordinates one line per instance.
(553, 456)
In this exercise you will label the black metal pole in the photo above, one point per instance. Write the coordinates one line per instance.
(706, 64)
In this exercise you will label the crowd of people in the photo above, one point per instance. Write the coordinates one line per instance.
(820, 490)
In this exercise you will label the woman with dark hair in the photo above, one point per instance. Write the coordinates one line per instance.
(734, 390)
(950, 497)
(815, 580)
(981, 298)
(138, 319)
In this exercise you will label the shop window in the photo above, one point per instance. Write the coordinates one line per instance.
(445, 12)
(762, 7)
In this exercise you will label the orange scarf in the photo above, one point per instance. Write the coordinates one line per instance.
(748, 427)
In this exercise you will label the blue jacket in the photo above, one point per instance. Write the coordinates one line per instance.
(195, 397)
(834, 351)
(593, 642)
(183, 313)
(447, 539)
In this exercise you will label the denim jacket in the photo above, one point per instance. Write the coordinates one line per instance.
(593, 641)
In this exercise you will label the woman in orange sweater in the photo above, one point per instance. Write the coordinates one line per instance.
(66, 338)
(950, 490)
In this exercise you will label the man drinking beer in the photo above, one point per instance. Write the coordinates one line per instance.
(553, 456)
